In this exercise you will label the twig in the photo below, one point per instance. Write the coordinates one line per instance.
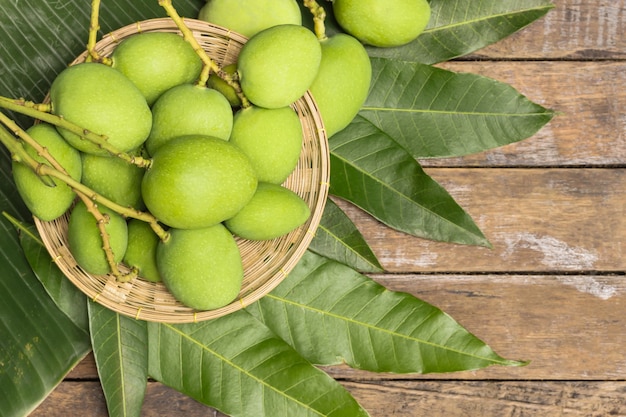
(42, 112)
(94, 27)
(209, 64)
(319, 16)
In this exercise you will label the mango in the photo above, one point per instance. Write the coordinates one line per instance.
(272, 212)
(202, 268)
(45, 202)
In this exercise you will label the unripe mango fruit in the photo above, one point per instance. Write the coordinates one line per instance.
(141, 250)
(113, 178)
(197, 181)
(85, 242)
(156, 62)
(188, 109)
(216, 83)
(45, 202)
(98, 98)
(343, 81)
(277, 65)
(202, 268)
(383, 23)
(271, 138)
(248, 17)
(272, 212)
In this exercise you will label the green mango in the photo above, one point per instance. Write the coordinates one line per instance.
(156, 62)
(141, 250)
(202, 268)
(45, 202)
(271, 138)
(249, 17)
(272, 212)
(188, 109)
(197, 181)
(85, 241)
(343, 81)
(114, 178)
(384, 24)
(98, 98)
(278, 65)
(216, 83)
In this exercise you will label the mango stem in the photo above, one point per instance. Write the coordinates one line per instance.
(209, 64)
(87, 195)
(42, 112)
(319, 16)
(94, 27)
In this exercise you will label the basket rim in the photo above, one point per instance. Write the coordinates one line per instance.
(108, 289)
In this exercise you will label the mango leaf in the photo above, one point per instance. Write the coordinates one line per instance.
(338, 238)
(432, 112)
(39, 344)
(238, 366)
(39, 38)
(331, 314)
(120, 347)
(460, 27)
(68, 298)
(370, 169)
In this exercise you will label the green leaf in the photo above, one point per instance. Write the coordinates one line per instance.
(338, 238)
(237, 365)
(39, 344)
(39, 38)
(331, 314)
(459, 27)
(369, 169)
(120, 347)
(67, 297)
(432, 112)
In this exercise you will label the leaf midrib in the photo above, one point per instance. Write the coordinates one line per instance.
(345, 245)
(407, 198)
(484, 18)
(372, 327)
(238, 368)
(453, 112)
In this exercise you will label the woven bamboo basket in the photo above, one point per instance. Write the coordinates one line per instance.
(266, 263)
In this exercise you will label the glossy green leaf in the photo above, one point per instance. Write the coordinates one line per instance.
(460, 27)
(66, 295)
(370, 169)
(39, 344)
(120, 347)
(338, 238)
(238, 366)
(332, 314)
(40, 37)
(435, 113)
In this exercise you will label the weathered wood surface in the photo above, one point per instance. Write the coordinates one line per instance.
(573, 30)
(403, 399)
(553, 288)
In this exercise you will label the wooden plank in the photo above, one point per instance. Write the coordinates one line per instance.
(570, 327)
(536, 219)
(574, 29)
(389, 398)
(588, 129)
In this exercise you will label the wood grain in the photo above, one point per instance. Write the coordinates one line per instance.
(536, 219)
(553, 288)
(573, 30)
(403, 399)
(589, 127)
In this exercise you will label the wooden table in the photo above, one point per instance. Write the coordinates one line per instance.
(552, 290)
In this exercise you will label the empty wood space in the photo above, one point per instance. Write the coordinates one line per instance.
(552, 290)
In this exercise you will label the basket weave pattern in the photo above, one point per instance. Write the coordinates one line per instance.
(266, 263)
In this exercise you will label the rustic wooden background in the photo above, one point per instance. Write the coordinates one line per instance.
(552, 290)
